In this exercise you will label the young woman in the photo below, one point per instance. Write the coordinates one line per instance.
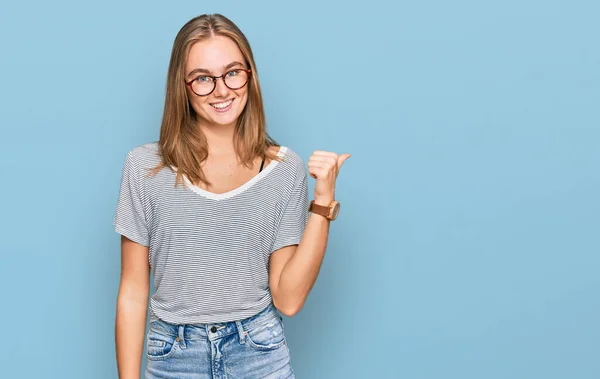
(219, 213)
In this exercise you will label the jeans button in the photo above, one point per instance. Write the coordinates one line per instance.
(213, 329)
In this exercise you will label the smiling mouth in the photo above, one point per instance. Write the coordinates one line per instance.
(222, 105)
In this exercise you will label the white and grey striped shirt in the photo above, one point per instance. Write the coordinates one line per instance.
(209, 253)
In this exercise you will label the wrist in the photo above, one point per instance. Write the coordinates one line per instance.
(328, 209)
(324, 201)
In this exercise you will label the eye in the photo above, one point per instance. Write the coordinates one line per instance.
(232, 73)
(203, 79)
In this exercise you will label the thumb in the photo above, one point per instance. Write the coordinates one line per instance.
(341, 159)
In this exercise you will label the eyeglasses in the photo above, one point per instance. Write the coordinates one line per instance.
(204, 85)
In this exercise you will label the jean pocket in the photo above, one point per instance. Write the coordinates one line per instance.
(267, 335)
(159, 346)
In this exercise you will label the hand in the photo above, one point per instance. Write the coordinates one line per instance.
(325, 166)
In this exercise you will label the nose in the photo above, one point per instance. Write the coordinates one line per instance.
(221, 89)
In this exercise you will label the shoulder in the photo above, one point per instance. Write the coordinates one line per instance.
(140, 159)
(293, 163)
(145, 151)
(290, 157)
(144, 155)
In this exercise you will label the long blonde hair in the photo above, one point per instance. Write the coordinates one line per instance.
(182, 144)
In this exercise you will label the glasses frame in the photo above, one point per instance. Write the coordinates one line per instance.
(214, 78)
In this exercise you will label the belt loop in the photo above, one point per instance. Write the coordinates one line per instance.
(181, 336)
(241, 332)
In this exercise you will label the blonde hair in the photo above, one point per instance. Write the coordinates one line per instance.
(182, 144)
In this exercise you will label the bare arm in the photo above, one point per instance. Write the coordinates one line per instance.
(293, 269)
(132, 306)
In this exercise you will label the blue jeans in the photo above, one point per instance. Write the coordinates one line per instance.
(251, 348)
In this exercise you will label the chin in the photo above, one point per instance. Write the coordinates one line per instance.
(224, 119)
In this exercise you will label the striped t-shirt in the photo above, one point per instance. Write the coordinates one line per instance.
(209, 252)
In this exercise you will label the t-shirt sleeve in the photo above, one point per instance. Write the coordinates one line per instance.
(130, 218)
(295, 216)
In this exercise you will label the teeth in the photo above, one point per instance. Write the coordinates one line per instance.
(222, 105)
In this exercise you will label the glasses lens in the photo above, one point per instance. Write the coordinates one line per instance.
(203, 85)
(236, 79)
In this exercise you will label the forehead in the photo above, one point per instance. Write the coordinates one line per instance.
(213, 54)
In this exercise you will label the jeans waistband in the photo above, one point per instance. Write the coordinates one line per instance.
(216, 330)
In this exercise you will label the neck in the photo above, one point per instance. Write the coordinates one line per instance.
(219, 138)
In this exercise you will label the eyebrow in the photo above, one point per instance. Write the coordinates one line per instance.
(205, 71)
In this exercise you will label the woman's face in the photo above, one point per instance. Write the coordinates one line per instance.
(215, 57)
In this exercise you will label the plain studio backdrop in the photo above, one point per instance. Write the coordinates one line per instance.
(468, 243)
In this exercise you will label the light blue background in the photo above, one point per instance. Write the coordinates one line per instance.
(468, 244)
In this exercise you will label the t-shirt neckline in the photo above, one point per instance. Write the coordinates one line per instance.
(240, 189)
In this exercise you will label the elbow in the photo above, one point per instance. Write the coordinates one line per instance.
(288, 310)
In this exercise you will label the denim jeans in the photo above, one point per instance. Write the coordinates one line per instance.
(251, 348)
